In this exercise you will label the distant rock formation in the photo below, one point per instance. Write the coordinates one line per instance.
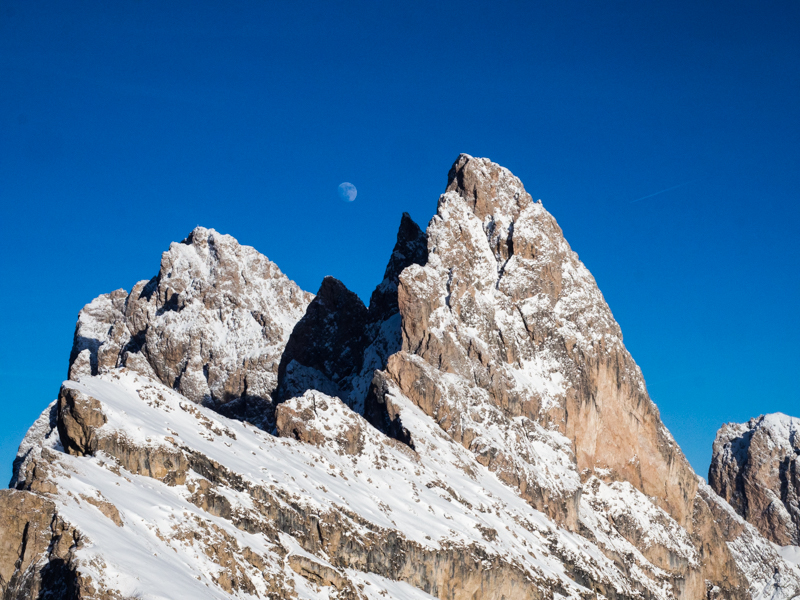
(755, 466)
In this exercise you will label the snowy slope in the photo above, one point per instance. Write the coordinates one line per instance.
(217, 534)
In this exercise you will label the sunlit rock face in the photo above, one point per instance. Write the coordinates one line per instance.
(505, 312)
(756, 467)
(478, 432)
(212, 324)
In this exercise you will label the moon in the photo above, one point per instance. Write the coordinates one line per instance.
(347, 191)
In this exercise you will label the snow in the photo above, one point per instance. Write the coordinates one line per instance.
(790, 554)
(620, 502)
(438, 495)
(541, 375)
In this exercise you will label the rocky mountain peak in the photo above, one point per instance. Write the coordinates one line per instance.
(755, 466)
(479, 432)
(494, 195)
(212, 324)
(488, 187)
(511, 334)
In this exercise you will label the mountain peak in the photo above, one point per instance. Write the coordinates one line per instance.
(479, 432)
(489, 188)
(212, 324)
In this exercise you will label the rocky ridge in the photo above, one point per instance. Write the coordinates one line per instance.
(479, 431)
(212, 324)
(755, 466)
(339, 342)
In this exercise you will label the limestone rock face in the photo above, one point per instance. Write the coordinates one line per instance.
(479, 432)
(756, 467)
(212, 324)
(36, 550)
(505, 330)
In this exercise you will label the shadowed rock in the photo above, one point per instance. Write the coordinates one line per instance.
(411, 248)
(326, 348)
(339, 343)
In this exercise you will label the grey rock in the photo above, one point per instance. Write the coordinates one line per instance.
(755, 466)
(212, 324)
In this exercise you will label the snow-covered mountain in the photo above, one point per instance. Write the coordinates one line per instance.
(478, 432)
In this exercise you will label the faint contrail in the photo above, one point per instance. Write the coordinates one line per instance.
(674, 187)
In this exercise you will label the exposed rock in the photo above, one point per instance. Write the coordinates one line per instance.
(517, 336)
(80, 427)
(79, 417)
(99, 335)
(326, 349)
(411, 248)
(212, 324)
(36, 549)
(316, 572)
(107, 509)
(382, 413)
(339, 343)
(315, 418)
(755, 466)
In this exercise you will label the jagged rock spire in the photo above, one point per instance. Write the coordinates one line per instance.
(338, 344)
(411, 248)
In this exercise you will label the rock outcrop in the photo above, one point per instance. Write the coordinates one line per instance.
(755, 466)
(479, 432)
(36, 549)
(212, 324)
(339, 342)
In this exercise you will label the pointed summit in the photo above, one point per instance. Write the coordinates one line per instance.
(411, 248)
(326, 348)
(488, 187)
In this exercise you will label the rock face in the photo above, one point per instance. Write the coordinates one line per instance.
(506, 339)
(479, 432)
(339, 343)
(756, 467)
(212, 324)
(36, 549)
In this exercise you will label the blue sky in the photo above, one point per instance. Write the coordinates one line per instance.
(123, 125)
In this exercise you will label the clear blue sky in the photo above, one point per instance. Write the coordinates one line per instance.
(125, 124)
